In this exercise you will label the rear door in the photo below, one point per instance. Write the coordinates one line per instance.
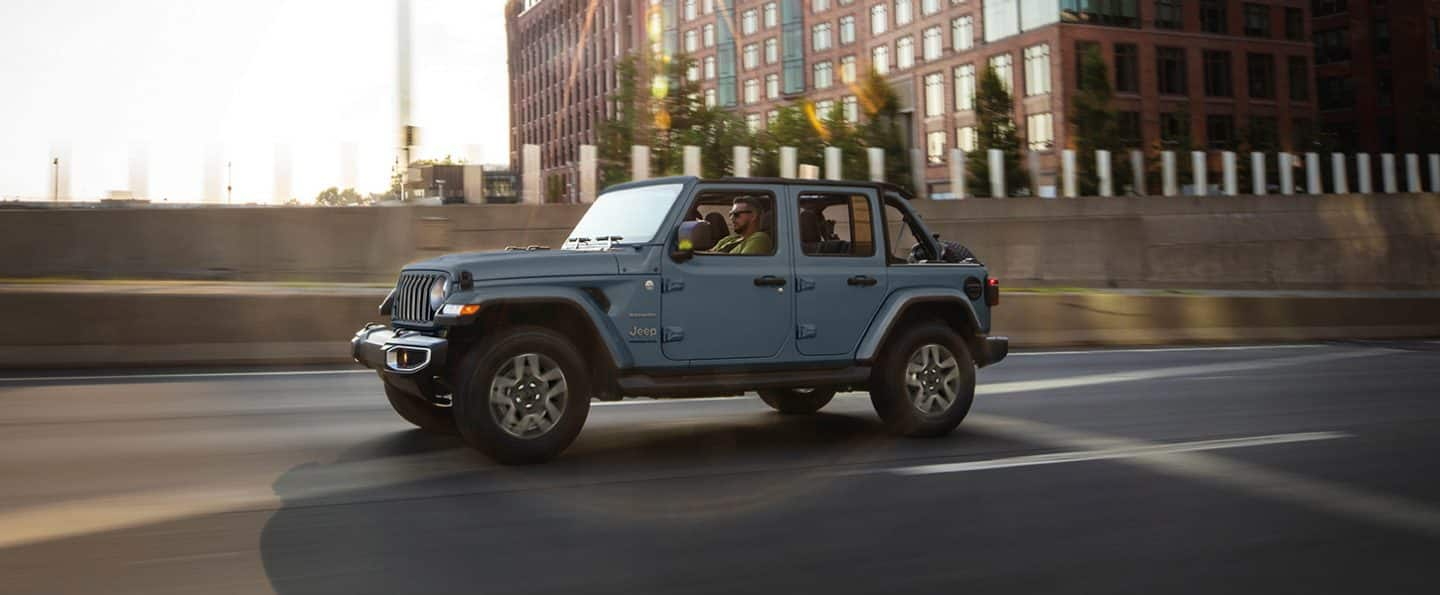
(840, 277)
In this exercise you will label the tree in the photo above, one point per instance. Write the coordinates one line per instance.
(629, 126)
(994, 112)
(882, 127)
(334, 197)
(554, 188)
(1095, 126)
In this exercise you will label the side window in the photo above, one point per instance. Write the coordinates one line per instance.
(736, 223)
(835, 224)
(902, 235)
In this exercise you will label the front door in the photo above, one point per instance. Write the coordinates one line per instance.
(721, 306)
(840, 276)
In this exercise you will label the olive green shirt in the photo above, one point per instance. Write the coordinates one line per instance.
(758, 243)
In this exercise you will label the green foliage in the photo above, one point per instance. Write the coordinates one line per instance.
(554, 189)
(882, 128)
(334, 197)
(1095, 127)
(995, 129)
(629, 126)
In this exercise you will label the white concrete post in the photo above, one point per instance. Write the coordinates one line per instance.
(589, 173)
(1337, 170)
(1137, 171)
(740, 166)
(1258, 183)
(1387, 172)
(1102, 168)
(691, 160)
(530, 175)
(1362, 173)
(789, 158)
(997, 173)
(957, 173)
(1167, 173)
(1032, 164)
(1412, 172)
(876, 157)
(1287, 174)
(1198, 173)
(639, 162)
(1232, 179)
(1067, 174)
(1434, 172)
(833, 164)
(917, 173)
(1312, 173)
(809, 172)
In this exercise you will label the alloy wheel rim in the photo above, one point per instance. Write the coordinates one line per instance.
(932, 379)
(527, 395)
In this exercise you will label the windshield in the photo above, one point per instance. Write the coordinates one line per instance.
(632, 215)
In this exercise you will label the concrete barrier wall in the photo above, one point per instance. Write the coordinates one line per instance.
(1273, 242)
(159, 327)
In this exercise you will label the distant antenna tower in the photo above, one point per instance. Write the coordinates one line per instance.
(402, 87)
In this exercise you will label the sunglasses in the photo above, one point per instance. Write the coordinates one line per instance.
(734, 214)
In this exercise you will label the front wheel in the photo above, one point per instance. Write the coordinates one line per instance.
(924, 383)
(797, 401)
(424, 415)
(522, 395)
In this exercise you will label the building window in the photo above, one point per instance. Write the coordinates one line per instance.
(1302, 133)
(709, 98)
(709, 35)
(824, 75)
(752, 91)
(1261, 74)
(1040, 132)
(929, 7)
(934, 95)
(1169, 14)
(963, 32)
(1001, 65)
(1264, 133)
(1332, 46)
(965, 87)
(905, 52)
(1382, 35)
(1174, 128)
(752, 56)
(819, 5)
(752, 122)
(1114, 13)
(1299, 79)
(1220, 131)
(1082, 49)
(749, 22)
(824, 109)
(709, 7)
(1212, 16)
(965, 138)
(1127, 68)
(690, 9)
(772, 86)
(847, 29)
(692, 41)
(1435, 33)
(903, 13)
(772, 15)
(1037, 69)
(1384, 87)
(820, 37)
(1257, 20)
(1217, 74)
(1170, 70)
(933, 42)
(771, 116)
(772, 50)
(847, 69)
(1294, 24)
(1325, 8)
(1127, 129)
(935, 147)
(879, 19)
(692, 72)
(851, 109)
(1335, 92)
(880, 59)
(709, 67)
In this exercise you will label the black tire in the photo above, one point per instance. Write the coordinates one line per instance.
(425, 416)
(797, 401)
(890, 389)
(478, 420)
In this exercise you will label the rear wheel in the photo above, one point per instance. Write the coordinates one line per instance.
(797, 401)
(522, 396)
(924, 382)
(424, 415)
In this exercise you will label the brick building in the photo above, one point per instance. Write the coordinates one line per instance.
(1240, 70)
(1373, 60)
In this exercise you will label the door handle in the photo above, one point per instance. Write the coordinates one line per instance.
(769, 281)
(862, 281)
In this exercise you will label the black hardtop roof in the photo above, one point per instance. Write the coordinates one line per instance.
(691, 180)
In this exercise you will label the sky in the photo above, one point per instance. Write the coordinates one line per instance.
(177, 89)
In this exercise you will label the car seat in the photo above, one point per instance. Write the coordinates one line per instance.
(718, 227)
(810, 231)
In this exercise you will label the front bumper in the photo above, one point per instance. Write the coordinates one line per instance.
(411, 362)
(994, 349)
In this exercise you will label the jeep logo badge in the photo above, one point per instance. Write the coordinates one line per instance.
(643, 332)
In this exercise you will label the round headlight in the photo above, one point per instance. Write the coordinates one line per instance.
(438, 289)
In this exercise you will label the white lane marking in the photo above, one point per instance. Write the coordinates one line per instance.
(1328, 497)
(1171, 349)
(180, 376)
(1115, 453)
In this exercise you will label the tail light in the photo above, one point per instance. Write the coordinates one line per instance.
(992, 291)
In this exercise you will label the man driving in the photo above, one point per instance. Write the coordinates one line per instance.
(745, 216)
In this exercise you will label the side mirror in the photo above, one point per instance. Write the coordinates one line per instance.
(690, 234)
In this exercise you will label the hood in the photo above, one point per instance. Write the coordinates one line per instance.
(490, 266)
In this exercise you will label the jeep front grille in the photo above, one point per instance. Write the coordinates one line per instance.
(412, 298)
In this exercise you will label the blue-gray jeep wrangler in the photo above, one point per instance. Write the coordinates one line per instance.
(850, 292)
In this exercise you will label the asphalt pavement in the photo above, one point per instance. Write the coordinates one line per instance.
(1264, 469)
